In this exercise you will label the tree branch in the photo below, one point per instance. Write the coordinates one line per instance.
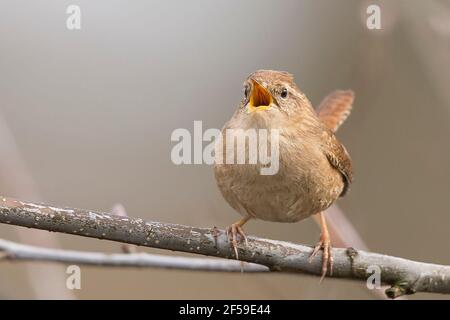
(15, 251)
(405, 276)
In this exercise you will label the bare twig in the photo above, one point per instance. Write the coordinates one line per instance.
(15, 251)
(405, 276)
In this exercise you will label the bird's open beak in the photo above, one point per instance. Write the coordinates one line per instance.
(260, 98)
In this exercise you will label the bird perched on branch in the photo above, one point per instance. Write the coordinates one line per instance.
(314, 167)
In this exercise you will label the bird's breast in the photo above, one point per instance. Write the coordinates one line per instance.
(304, 184)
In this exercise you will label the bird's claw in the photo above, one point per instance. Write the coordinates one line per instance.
(327, 257)
(232, 232)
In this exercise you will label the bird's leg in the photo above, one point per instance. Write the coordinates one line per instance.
(234, 230)
(325, 245)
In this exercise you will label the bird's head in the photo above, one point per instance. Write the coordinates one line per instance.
(268, 92)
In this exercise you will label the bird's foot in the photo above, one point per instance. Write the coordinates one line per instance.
(232, 233)
(327, 257)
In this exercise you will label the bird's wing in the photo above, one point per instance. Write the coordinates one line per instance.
(339, 158)
(335, 108)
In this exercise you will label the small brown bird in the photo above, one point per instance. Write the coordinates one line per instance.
(314, 167)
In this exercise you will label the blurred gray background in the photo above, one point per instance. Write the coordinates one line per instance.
(86, 119)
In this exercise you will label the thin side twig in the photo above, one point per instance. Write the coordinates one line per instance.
(15, 251)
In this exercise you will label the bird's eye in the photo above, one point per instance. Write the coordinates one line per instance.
(284, 93)
(246, 90)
